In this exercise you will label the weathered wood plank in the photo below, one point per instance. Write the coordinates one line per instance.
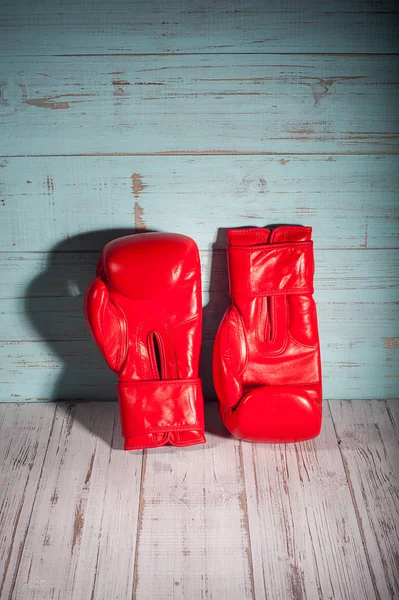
(357, 316)
(370, 453)
(304, 535)
(199, 104)
(359, 342)
(62, 277)
(186, 26)
(382, 414)
(193, 532)
(25, 432)
(81, 538)
(345, 327)
(359, 355)
(225, 520)
(66, 203)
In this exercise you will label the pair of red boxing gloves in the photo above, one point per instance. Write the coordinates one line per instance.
(144, 310)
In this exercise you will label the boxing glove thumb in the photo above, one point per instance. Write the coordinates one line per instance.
(229, 358)
(107, 324)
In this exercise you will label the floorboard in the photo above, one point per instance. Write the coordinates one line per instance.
(24, 435)
(305, 539)
(198, 104)
(80, 518)
(193, 531)
(82, 532)
(369, 449)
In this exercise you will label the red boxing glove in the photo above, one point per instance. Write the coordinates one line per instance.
(144, 312)
(266, 360)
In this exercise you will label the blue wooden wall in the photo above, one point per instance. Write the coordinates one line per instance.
(194, 117)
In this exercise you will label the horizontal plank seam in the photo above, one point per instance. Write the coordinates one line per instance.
(201, 153)
(179, 54)
(203, 250)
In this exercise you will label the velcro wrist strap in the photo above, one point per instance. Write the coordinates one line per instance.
(160, 406)
(271, 269)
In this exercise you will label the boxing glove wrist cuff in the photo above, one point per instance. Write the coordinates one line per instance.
(160, 406)
(286, 268)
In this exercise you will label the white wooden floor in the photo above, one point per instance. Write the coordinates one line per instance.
(81, 519)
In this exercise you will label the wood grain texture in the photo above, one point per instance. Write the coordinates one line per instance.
(68, 203)
(195, 118)
(205, 552)
(229, 519)
(188, 26)
(340, 276)
(304, 534)
(345, 327)
(352, 334)
(82, 544)
(357, 308)
(359, 357)
(369, 447)
(23, 448)
(198, 104)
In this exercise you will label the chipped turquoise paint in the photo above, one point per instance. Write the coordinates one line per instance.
(195, 120)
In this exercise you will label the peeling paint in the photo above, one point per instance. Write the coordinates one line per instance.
(283, 162)
(137, 184)
(321, 89)
(90, 469)
(120, 82)
(50, 184)
(54, 497)
(390, 343)
(137, 188)
(77, 525)
(148, 83)
(47, 540)
(47, 103)
(51, 101)
(139, 222)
